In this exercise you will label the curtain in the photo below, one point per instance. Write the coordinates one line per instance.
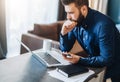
(61, 12)
(100, 5)
(3, 43)
(1, 52)
(21, 15)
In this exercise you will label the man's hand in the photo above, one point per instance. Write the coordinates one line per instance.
(71, 57)
(68, 26)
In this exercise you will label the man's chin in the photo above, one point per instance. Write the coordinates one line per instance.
(79, 22)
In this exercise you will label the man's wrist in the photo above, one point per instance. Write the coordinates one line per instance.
(80, 59)
(62, 35)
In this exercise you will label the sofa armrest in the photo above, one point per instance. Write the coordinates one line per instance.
(34, 42)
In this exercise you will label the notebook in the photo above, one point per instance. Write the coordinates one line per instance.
(49, 58)
(71, 70)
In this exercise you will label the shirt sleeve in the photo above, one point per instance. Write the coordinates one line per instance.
(67, 41)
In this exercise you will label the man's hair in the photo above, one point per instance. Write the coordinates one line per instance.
(77, 2)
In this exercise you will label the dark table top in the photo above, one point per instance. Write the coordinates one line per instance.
(25, 68)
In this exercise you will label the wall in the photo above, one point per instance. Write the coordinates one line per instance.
(114, 10)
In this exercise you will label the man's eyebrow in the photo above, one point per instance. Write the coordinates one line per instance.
(69, 11)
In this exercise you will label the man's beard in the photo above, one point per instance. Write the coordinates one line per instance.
(80, 19)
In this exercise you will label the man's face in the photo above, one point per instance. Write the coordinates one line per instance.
(73, 12)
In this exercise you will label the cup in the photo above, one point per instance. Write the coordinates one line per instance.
(47, 45)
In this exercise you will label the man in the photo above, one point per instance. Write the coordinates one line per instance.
(97, 35)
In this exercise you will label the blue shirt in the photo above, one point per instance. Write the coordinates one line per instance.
(99, 37)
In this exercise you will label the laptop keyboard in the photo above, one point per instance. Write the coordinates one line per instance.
(48, 58)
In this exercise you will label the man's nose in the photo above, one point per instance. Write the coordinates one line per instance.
(68, 16)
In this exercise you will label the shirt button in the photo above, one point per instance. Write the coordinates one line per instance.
(85, 26)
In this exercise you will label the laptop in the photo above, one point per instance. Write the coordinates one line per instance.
(50, 58)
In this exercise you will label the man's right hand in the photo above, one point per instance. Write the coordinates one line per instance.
(72, 58)
(68, 26)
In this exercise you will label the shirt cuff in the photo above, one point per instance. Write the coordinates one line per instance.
(81, 60)
(63, 35)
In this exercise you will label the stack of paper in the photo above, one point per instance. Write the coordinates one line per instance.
(77, 78)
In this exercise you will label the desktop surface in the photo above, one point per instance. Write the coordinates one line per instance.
(25, 68)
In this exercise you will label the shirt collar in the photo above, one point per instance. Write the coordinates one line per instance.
(87, 21)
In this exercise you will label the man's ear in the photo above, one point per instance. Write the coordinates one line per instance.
(84, 10)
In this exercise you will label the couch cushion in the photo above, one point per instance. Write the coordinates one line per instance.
(46, 30)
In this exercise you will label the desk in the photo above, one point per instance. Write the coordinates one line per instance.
(25, 68)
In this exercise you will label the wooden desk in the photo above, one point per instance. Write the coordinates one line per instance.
(25, 68)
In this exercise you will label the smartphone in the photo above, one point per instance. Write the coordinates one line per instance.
(67, 55)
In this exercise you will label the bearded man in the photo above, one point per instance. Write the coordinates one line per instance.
(96, 33)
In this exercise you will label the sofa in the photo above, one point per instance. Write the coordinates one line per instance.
(34, 38)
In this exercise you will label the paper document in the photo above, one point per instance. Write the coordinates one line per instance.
(77, 78)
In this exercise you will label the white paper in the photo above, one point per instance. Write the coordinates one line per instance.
(76, 78)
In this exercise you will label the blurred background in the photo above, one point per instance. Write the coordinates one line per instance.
(19, 16)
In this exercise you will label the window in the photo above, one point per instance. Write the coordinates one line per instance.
(21, 16)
